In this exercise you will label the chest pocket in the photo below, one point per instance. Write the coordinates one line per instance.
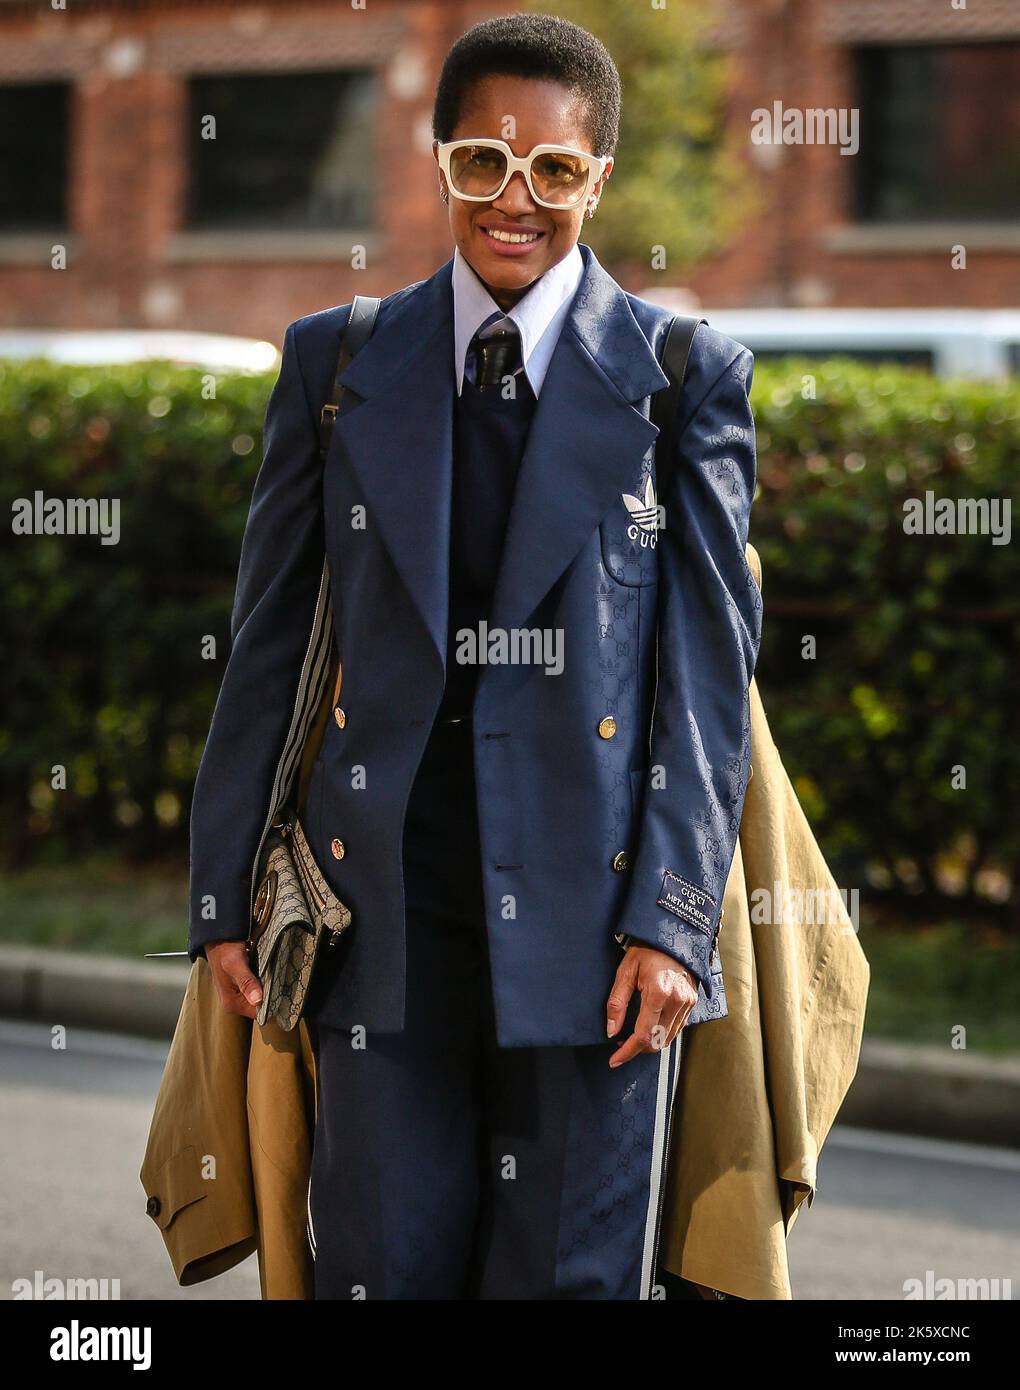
(630, 530)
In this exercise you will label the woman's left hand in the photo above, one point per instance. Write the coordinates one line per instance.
(668, 994)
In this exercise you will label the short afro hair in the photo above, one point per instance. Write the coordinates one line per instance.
(539, 46)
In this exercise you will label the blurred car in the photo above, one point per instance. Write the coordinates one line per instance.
(218, 351)
(949, 342)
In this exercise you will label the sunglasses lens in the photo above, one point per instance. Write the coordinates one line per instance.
(476, 170)
(559, 178)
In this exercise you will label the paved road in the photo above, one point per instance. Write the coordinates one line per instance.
(74, 1127)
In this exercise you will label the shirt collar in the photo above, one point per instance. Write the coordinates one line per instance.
(538, 315)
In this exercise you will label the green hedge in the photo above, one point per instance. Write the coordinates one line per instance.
(918, 637)
(105, 672)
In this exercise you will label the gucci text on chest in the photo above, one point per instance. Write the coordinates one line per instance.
(515, 646)
(647, 516)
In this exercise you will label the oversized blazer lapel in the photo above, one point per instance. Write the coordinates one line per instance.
(585, 444)
(399, 439)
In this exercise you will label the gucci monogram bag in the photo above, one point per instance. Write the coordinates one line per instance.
(294, 908)
(294, 905)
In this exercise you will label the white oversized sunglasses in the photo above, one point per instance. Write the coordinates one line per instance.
(557, 176)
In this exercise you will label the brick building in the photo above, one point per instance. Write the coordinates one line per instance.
(938, 91)
(104, 129)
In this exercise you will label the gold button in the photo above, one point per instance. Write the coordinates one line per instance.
(607, 727)
(340, 717)
(338, 850)
(621, 861)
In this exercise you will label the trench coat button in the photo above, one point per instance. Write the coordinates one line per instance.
(153, 1207)
(621, 861)
(607, 727)
(337, 849)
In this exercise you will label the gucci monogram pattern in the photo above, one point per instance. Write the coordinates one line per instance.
(300, 905)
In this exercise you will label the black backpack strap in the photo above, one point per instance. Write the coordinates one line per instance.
(666, 401)
(360, 322)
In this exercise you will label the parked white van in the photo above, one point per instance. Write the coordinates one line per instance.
(949, 342)
(104, 347)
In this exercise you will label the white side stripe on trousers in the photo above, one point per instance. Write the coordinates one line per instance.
(310, 1225)
(669, 1062)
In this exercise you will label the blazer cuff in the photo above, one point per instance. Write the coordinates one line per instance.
(197, 948)
(688, 946)
(688, 930)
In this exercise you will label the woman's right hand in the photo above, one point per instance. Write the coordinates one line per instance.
(238, 989)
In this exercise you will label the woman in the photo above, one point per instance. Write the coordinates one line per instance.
(530, 795)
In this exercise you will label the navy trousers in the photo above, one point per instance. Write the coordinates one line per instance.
(446, 1167)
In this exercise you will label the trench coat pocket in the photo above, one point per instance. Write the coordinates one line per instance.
(201, 1243)
(177, 1184)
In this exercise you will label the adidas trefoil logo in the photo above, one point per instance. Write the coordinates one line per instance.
(644, 515)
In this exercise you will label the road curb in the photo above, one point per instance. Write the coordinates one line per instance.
(84, 991)
(935, 1091)
(901, 1087)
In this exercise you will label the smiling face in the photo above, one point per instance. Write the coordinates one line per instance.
(546, 113)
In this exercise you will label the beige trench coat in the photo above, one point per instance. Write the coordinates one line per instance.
(227, 1161)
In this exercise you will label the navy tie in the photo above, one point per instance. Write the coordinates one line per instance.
(496, 356)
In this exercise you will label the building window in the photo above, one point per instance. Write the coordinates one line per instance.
(33, 156)
(292, 151)
(940, 132)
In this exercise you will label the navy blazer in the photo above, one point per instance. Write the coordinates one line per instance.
(584, 836)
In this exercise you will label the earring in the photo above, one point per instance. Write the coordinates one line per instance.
(444, 196)
(589, 211)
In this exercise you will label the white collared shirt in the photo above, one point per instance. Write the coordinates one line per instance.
(538, 315)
